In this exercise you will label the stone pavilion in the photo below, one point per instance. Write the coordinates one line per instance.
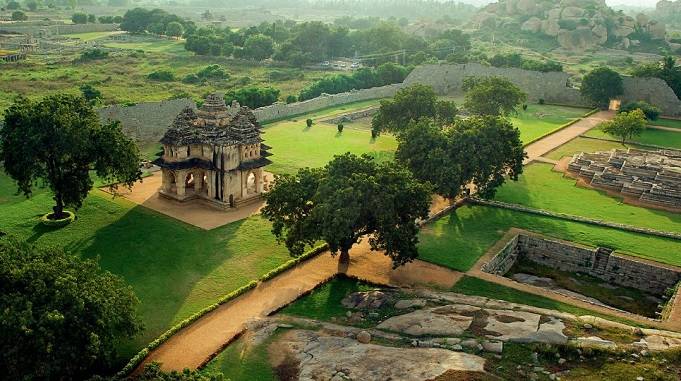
(214, 154)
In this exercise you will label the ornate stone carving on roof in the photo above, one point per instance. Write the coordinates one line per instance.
(214, 123)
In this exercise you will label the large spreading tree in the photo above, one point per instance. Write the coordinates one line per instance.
(411, 104)
(601, 85)
(61, 317)
(59, 140)
(493, 96)
(350, 198)
(481, 151)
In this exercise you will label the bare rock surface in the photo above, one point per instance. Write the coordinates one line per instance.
(509, 325)
(323, 357)
(434, 321)
(368, 300)
(410, 303)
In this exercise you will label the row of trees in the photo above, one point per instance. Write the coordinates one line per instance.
(364, 78)
(354, 198)
(156, 21)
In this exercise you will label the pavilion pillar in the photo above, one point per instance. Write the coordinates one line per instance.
(210, 180)
(259, 182)
(180, 183)
(198, 181)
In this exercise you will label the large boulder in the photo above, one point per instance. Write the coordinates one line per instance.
(368, 300)
(550, 27)
(572, 12)
(657, 30)
(601, 33)
(533, 25)
(579, 39)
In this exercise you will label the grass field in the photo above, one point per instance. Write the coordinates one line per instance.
(540, 120)
(324, 302)
(671, 123)
(174, 268)
(650, 136)
(91, 36)
(295, 146)
(458, 239)
(541, 187)
(242, 362)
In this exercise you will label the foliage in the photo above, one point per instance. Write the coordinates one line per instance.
(90, 94)
(93, 55)
(340, 127)
(19, 16)
(140, 20)
(258, 47)
(493, 96)
(651, 112)
(47, 219)
(174, 29)
(12, 5)
(59, 139)
(625, 125)
(308, 122)
(412, 104)
(153, 372)
(161, 76)
(253, 97)
(364, 78)
(213, 72)
(291, 99)
(601, 85)
(666, 70)
(61, 316)
(351, 197)
(79, 18)
(481, 151)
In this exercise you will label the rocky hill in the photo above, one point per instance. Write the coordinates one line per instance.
(576, 24)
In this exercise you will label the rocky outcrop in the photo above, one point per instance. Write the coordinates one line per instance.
(577, 24)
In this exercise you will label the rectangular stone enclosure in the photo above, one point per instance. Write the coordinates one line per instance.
(599, 262)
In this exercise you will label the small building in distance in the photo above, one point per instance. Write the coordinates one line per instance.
(214, 154)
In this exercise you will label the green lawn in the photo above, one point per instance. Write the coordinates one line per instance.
(650, 136)
(175, 269)
(541, 187)
(458, 239)
(296, 146)
(540, 120)
(242, 362)
(324, 302)
(90, 36)
(671, 123)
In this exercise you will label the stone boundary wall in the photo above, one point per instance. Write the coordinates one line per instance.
(146, 121)
(570, 217)
(282, 110)
(553, 87)
(352, 116)
(620, 270)
(58, 29)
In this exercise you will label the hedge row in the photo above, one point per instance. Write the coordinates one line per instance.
(141, 355)
(570, 217)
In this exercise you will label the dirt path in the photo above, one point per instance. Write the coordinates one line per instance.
(555, 140)
(194, 345)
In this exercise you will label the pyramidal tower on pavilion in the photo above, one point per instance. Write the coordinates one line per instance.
(215, 154)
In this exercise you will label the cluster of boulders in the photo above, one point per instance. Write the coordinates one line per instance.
(576, 24)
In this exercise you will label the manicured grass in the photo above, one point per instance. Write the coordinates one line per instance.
(541, 187)
(295, 146)
(242, 362)
(540, 120)
(671, 123)
(175, 269)
(90, 36)
(458, 239)
(324, 302)
(650, 136)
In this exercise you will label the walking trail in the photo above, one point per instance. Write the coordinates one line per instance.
(194, 345)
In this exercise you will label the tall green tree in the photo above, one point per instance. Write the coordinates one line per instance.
(492, 96)
(626, 125)
(350, 198)
(601, 85)
(174, 29)
(480, 151)
(411, 104)
(61, 317)
(59, 140)
(258, 47)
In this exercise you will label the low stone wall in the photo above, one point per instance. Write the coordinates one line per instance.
(146, 121)
(282, 110)
(615, 269)
(49, 30)
(552, 87)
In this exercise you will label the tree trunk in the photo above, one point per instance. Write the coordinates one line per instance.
(58, 210)
(344, 256)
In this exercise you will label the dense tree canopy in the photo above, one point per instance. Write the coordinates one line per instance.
(651, 112)
(350, 198)
(411, 104)
(258, 47)
(59, 140)
(480, 150)
(364, 78)
(253, 97)
(60, 317)
(626, 125)
(494, 96)
(601, 85)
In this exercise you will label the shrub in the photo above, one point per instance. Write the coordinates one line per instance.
(541, 101)
(215, 72)
(47, 220)
(651, 112)
(161, 76)
(340, 127)
(19, 16)
(191, 78)
(253, 97)
(93, 54)
(291, 99)
(525, 107)
(308, 122)
(79, 18)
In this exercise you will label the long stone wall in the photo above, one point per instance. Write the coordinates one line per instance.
(552, 87)
(615, 269)
(48, 30)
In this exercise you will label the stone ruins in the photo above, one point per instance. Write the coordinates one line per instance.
(652, 177)
(214, 154)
